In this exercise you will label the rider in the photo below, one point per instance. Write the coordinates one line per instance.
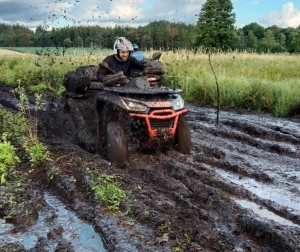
(121, 60)
(137, 54)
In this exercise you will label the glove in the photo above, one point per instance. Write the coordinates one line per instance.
(112, 80)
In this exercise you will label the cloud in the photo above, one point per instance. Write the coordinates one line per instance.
(60, 13)
(288, 17)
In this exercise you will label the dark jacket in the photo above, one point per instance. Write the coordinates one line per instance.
(118, 66)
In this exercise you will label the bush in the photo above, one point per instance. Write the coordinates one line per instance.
(108, 192)
(12, 124)
(37, 154)
(8, 158)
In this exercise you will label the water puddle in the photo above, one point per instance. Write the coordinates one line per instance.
(57, 221)
(264, 213)
(272, 192)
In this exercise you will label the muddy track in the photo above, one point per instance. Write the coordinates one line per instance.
(238, 190)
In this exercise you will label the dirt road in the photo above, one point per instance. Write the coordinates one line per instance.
(238, 190)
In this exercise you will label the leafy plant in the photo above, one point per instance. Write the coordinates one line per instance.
(12, 125)
(37, 154)
(52, 173)
(165, 226)
(37, 151)
(108, 191)
(7, 158)
(146, 213)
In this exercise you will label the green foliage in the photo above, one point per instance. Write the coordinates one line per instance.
(166, 226)
(37, 154)
(215, 27)
(7, 158)
(52, 173)
(12, 125)
(23, 126)
(156, 35)
(295, 43)
(108, 191)
(45, 74)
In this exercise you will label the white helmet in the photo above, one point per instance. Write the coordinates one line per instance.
(123, 44)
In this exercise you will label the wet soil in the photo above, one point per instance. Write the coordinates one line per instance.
(238, 190)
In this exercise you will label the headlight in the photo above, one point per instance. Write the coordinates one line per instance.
(178, 103)
(134, 106)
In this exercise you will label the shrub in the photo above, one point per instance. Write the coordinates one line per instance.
(8, 158)
(37, 154)
(108, 192)
(12, 124)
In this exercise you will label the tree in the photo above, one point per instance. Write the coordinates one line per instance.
(9, 41)
(295, 43)
(269, 43)
(215, 26)
(78, 42)
(172, 32)
(252, 40)
(88, 42)
(258, 30)
(67, 42)
(24, 40)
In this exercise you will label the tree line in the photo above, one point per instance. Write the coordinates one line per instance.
(215, 28)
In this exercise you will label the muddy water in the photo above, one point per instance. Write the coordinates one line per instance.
(257, 153)
(56, 225)
(264, 213)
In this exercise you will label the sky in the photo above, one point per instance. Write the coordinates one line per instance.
(63, 13)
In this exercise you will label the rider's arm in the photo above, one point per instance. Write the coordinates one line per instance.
(136, 63)
(102, 71)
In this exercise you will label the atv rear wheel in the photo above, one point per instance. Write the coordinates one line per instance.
(183, 141)
(68, 129)
(116, 143)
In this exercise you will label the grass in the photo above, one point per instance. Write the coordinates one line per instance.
(57, 51)
(263, 83)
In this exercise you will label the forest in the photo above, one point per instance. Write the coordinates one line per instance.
(157, 35)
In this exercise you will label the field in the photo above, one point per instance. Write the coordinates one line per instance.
(260, 83)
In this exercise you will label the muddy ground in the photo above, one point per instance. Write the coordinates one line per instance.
(238, 190)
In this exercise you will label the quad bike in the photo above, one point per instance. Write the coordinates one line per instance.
(107, 120)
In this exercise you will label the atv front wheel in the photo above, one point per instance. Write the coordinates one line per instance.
(68, 129)
(116, 143)
(183, 140)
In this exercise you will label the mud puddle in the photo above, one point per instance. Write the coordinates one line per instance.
(264, 213)
(56, 227)
(272, 192)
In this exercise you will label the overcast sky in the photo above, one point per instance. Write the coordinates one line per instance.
(61, 13)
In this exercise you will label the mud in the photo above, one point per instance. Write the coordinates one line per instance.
(238, 190)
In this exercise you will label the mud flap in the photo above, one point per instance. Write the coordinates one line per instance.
(116, 143)
(183, 140)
